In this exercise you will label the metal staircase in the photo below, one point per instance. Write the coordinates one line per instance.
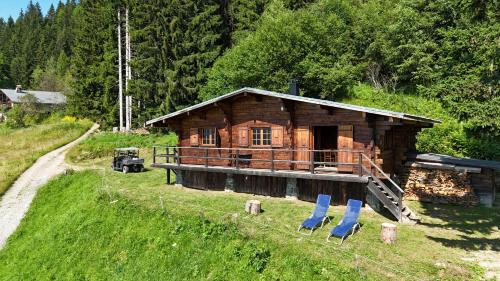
(391, 198)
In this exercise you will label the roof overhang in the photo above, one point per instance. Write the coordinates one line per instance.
(43, 97)
(393, 114)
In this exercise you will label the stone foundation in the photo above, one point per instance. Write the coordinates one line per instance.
(291, 188)
(229, 183)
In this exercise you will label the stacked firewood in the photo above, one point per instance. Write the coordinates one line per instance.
(438, 186)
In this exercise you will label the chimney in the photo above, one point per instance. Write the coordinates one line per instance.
(293, 88)
(19, 89)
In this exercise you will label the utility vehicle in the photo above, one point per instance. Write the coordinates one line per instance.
(127, 160)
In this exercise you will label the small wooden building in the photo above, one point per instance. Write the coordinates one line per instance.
(10, 97)
(264, 142)
(479, 176)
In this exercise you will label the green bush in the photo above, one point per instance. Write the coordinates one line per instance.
(451, 137)
(15, 118)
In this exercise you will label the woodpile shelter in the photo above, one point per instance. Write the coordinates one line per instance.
(269, 143)
(11, 97)
(440, 178)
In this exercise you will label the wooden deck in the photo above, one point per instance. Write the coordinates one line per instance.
(320, 174)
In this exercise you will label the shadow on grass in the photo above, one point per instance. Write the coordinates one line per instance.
(469, 243)
(475, 225)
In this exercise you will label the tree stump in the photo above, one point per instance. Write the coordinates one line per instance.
(252, 207)
(388, 233)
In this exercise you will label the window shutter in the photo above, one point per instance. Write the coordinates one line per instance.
(194, 139)
(345, 142)
(243, 136)
(277, 136)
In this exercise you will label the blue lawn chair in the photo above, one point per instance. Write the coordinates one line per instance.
(349, 222)
(319, 214)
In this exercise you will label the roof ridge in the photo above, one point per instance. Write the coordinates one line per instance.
(346, 106)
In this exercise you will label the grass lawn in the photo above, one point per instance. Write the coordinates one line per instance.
(22, 147)
(102, 224)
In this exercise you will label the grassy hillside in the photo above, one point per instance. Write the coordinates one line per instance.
(107, 225)
(74, 231)
(102, 224)
(450, 137)
(21, 147)
(133, 226)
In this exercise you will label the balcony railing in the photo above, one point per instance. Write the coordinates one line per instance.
(315, 161)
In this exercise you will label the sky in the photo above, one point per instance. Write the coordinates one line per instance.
(13, 7)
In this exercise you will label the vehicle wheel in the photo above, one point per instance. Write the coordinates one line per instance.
(125, 169)
(141, 169)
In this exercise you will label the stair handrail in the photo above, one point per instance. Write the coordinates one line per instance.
(400, 191)
(382, 172)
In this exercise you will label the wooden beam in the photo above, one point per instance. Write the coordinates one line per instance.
(227, 110)
(329, 109)
(202, 115)
(289, 106)
(264, 172)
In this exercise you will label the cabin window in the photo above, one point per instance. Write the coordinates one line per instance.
(208, 136)
(261, 136)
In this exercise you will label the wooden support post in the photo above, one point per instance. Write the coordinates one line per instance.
(360, 166)
(272, 160)
(167, 150)
(154, 154)
(237, 158)
(312, 162)
(168, 176)
(206, 157)
(400, 206)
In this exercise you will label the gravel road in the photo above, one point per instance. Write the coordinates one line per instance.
(17, 200)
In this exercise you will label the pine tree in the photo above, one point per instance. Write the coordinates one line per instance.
(94, 62)
(242, 17)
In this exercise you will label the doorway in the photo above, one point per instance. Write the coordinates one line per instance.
(325, 138)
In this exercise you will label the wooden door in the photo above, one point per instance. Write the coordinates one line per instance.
(302, 142)
(345, 142)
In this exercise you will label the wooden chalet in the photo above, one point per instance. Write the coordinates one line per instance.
(269, 143)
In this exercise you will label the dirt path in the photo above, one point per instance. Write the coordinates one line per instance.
(489, 260)
(17, 200)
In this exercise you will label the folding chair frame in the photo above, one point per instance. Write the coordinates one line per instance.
(312, 229)
(353, 230)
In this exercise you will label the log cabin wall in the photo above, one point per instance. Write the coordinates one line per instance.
(384, 140)
(4, 100)
(207, 118)
(394, 142)
(484, 182)
(250, 112)
(311, 115)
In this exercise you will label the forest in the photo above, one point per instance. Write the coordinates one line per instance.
(440, 54)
